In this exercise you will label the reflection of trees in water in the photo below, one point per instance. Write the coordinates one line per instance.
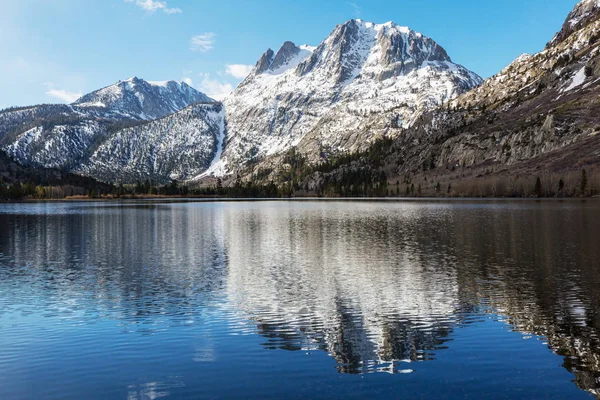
(370, 284)
(543, 278)
(374, 285)
(133, 264)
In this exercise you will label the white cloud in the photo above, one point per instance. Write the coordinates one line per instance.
(27, 81)
(63, 95)
(239, 71)
(203, 42)
(356, 8)
(154, 5)
(188, 81)
(213, 88)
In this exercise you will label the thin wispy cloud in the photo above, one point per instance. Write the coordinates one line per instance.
(239, 71)
(63, 95)
(356, 8)
(203, 42)
(152, 6)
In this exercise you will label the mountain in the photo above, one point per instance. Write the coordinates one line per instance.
(74, 137)
(322, 97)
(179, 147)
(370, 103)
(584, 13)
(537, 118)
(140, 99)
(538, 104)
(318, 98)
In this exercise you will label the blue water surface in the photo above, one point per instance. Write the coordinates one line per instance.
(300, 299)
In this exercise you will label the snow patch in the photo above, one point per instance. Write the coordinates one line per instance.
(217, 165)
(92, 104)
(577, 80)
(302, 55)
(164, 84)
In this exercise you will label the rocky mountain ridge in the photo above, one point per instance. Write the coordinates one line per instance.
(316, 97)
(539, 103)
(74, 137)
(364, 82)
(324, 94)
(139, 99)
(538, 117)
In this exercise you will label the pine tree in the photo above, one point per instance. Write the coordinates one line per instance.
(538, 187)
(584, 181)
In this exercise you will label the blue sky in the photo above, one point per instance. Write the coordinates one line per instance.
(53, 50)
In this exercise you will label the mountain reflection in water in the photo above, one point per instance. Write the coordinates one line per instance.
(378, 286)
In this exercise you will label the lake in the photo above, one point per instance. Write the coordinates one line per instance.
(300, 299)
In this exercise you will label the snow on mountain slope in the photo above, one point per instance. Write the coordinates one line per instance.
(329, 91)
(179, 146)
(58, 146)
(137, 98)
(318, 98)
(561, 66)
(75, 137)
(54, 136)
(583, 13)
(524, 117)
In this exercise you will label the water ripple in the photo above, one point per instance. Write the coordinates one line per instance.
(206, 300)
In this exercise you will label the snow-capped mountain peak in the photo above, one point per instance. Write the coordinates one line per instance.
(137, 98)
(287, 57)
(383, 49)
(148, 124)
(361, 68)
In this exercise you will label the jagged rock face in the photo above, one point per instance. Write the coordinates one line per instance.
(137, 98)
(539, 114)
(105, 134)
(321, 98)
(284, 55)
(560, 66)
(340, 54)
(177, 147)
(400, 49)
(265, 61)
(537, 105)
(406, 52)
(582, 15)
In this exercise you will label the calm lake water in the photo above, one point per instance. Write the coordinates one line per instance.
(306, 299)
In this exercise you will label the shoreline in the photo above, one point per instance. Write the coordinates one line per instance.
(208, 199)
